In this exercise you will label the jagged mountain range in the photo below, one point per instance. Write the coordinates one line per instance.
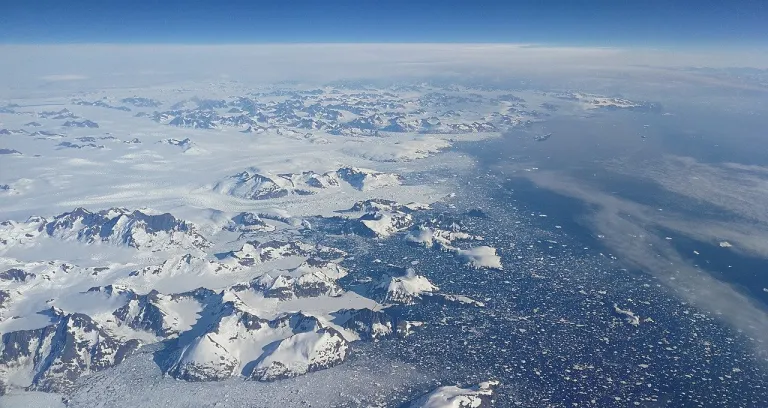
(207, 334)
(251, 184)
(115, 226)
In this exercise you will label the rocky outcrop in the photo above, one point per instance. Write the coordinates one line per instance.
(54, 356)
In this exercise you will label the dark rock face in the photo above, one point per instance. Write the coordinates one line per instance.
(237, 120)
(367, 323)
(62, 114)
(314, 285)
(477, 213)
(549, 106)
(86, 139)
(253, 252)
(145, 312)
(376, 204)
(247, 221)
(195, 119)
(45, 134)
(320, 181)
(378, 224)
(285, 287)
(101, 104)
(141, 102)
(61, 352)
(184, 143)
(5, 296)
(79, 146)
(16, 275)
(353, 176)
(82, 124)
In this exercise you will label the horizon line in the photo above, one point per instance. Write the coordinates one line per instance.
(521, 45)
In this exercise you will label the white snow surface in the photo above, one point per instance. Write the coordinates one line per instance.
(302, 353)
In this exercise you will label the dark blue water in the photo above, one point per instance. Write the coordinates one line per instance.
(550, 331)
(587, 149)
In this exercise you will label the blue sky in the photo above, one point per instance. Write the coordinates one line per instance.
(565, 22)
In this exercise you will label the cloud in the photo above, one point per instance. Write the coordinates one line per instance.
(481, 257)
(629, 230)
(140, 65)
(63, 77)
(740, 191)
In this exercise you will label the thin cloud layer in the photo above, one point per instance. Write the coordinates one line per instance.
(629, 230)
(63, 77)
(115, 65)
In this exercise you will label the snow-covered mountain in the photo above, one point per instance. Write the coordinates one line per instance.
(368, 324)
(366, 179)
(593, 101)
(166, 316)
(236, 342)
(380, 224)
(179, 266)
(60, 114)
(186, 145)
(438, 238)
(141, 102)
(477, 257)
(285, 287)
(191, 119)
(452, 396)
(301, 353)
(81, 124)
(54, 356)
(249, 222)
(253, 185)
(209, 335)
(405, 287)
(102, 103)
(315, 265)
(408, 288)
(377, 218)
(115, 226)
(256, 252)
